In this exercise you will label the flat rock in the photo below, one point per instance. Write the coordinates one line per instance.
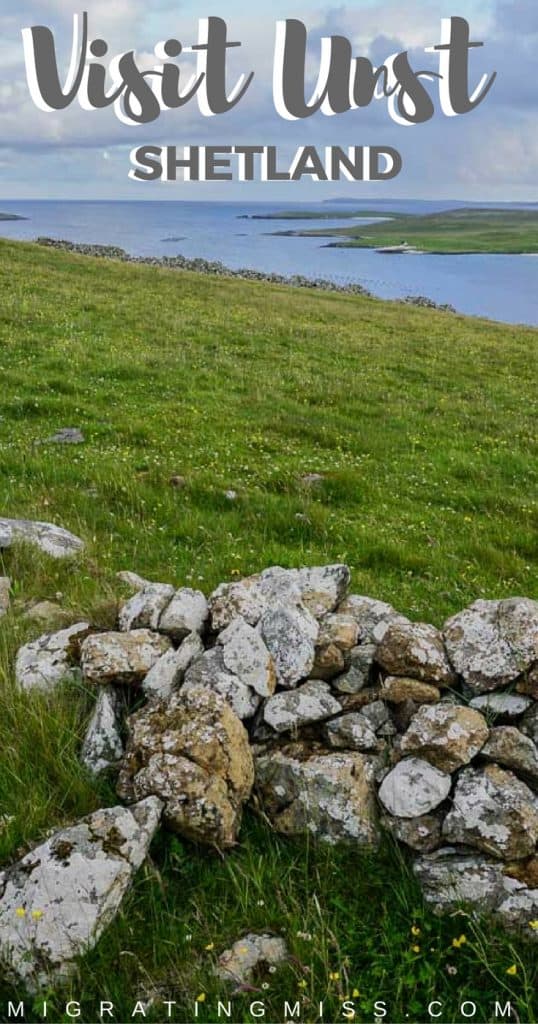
(446, 735)
(248, 955)
(450, 878)
(246, 656)
(66, 435)
(415, 650)
(398, 689)
(102, 747)
(143, 611)
(508, 747)
(50, 660)
(351, 732)
(359, 671)
(5, 595)
(414, 787)
(518, 910)
(311, 702)
(509, 706)
(493, 811)
(52, 540)
(187, 612)
(491, 643)
(194, 753)
(330, 796)
(57, 901)
(290, 634)
(210, 671)
(121, 658)
(168, 673)
(422, 834)
(372, 617)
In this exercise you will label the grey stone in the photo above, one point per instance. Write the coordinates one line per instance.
(447, 735)
(372, 617)
(493, 811)
(359, 673)
(143, 611)
(50, 539)
(422, 834)
(508, 747)
(121, 658)
(290, 635)
(415, 650)
(311, 702)
(246, 656)
(241, 597)
(491, 643)
(377, 713)
(102, 747)
(50, 660)
(167, 674)
(504, 705)
(210, 672)
(351, 732)
(249, 954)
(413, 788)
(66, 435)
(186, 613)
(450, 878)
(529, 723)
(518, 910)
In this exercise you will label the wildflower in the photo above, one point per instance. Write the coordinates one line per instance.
(272, 969)
(36, 914)
(533, 925)
(415, 930)
(334, 976)
(188, 938)
(450, 969)
(20, 912)
(210, 946)
(459, 942)
(302, 983)
(201, 998)
(512, 969)
(261, 903)
(415, 949)
(265, 985)
(355, 993)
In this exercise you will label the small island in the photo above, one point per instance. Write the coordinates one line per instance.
(11, 216)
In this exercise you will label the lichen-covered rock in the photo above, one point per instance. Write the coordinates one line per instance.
(187, 612)
(311, 702)
(422, 834)
(413, 788)
(210, 671)
(192, 752)
(359, 671)
(372, 617)
(495, 812)
(241, 597)
(519, 912)
(56, 902)
(246, 656)
(121, 658)
(507, 706)
(446, 735)
(52, 540)
(450, 877)
(416, 650)
(168, 673)
(249, 955)
(328, 663)
(5, 594)
(491, 643)
(524, 871)
(331, 796)
(50, 660)
(143, 611)
(528, 684)
(398, 689)
(323, 587)
(290, 634)
(508, 747)
(102, 747)
(377, 713)
(529, 723)
(340, 630)
(351, 732)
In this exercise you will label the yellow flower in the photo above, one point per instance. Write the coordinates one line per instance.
(355, 993)
(36, 914)
(415, 949)
(533, 925)
(201, 998)
(459, 942)
(512, 969)
(414, 930)
(334, 976)
(302, 983)
(20, 912)
(210, 946)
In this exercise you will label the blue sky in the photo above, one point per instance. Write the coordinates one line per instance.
(491, 153)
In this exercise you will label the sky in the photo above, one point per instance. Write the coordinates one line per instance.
(488, 154)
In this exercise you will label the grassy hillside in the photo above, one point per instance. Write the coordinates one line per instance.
(423, 425)
(454, 231)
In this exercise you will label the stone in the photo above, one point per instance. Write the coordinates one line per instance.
(398, 689)
(359, 672)
(177, 481)
(451, 877)
(290, 635)
(415, 650)
(330, 796)
(102, 747)
(323, 587)
(508, 747)
(143, 611)
(246, 656)
(133, 580)
(528, 684)
(50, 660)
(248, 955)
(422, 834)
(518, 911)
(168, 673)
(372, 617)
(377, 713)
(5, 595)
(446, 735)
(241, 597)
(50, 539)
(57, 901)
(47, 614)
(66, 435)
(328, 662)
(509, 706)
(186, 613)
(528, 725)
(524, 871)
(493, 811)
(413, 787)
(340, 630)
(351, 732)
(193, 753)
(210, 671)
(121, 658)
(310, 480)
(311, 702)
(491, 643)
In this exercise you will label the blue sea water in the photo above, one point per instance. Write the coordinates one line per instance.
(498, 287)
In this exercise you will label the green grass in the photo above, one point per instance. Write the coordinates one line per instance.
(424, 426)
(454, 231)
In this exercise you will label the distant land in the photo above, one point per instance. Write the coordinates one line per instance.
(11, 216)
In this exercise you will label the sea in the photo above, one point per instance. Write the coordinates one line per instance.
(498, 287)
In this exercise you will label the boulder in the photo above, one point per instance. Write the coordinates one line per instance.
(5, 595)
(351, 732)
(311, 702)
(56, 902)
(143, 611)
(422, 834)
(398, 690)
(246, 656)
(331, 796)
(372, 617)
(50, 660)
(413, 788)
(102, 747)
(451, 877)
(248, 955)
(359, 672)
(121, 658)
(187, 612)
(192, 752)
(508, 747)
(50, 539)
(495, 812)
(446, 735)
(210, 671)
(290, 634)
(508, 706)
(241, 597)
(491, 643)
(167, 674)
(415, 650)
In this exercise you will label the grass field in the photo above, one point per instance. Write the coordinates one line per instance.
(455, 231)
(424, 426)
